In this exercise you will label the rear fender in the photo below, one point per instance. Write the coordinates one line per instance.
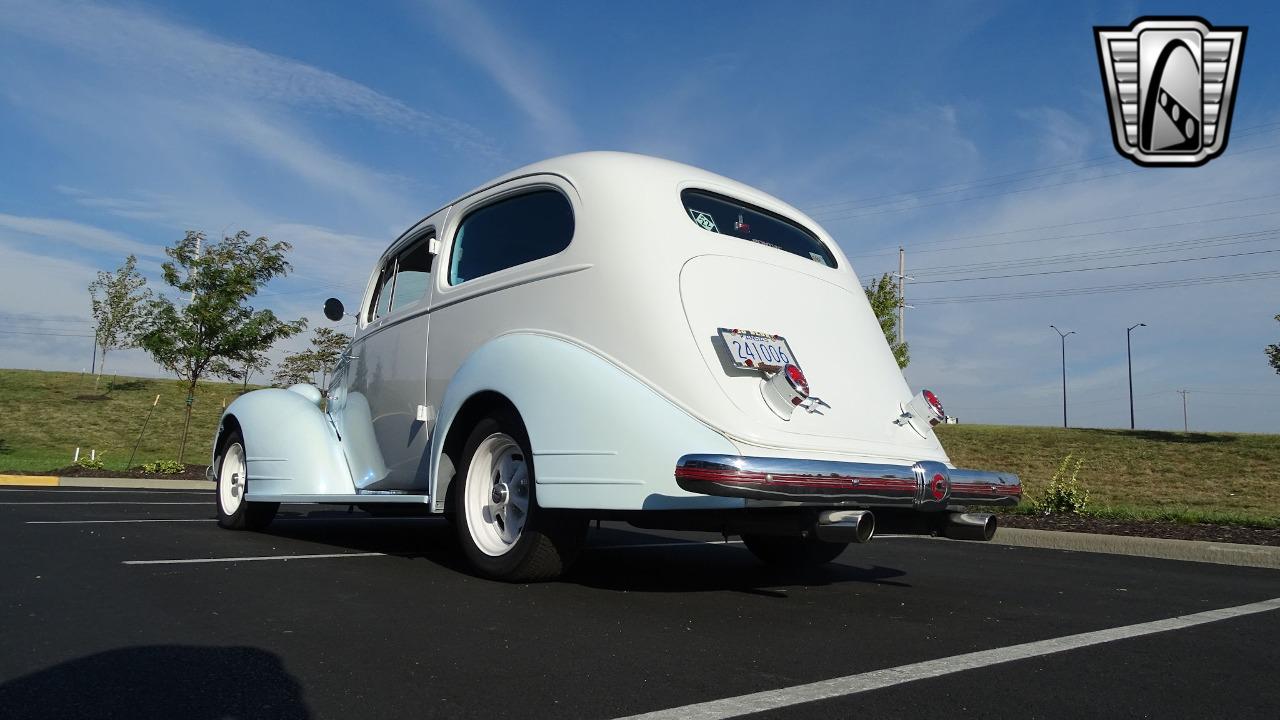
(291, 447)
(601, 438)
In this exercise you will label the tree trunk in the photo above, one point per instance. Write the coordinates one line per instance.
(182, 449)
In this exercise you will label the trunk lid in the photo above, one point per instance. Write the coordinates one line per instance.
(836, 341)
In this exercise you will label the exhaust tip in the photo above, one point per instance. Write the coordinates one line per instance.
(857, 526)
(971, 526)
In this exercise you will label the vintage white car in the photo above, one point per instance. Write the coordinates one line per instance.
(611, 336)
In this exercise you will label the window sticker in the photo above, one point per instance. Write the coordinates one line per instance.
(704, 220)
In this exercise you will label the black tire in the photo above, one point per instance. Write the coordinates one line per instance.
(549, 540)
(247, 515)
(793, 551)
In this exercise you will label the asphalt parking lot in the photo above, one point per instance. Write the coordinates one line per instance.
(135, 604)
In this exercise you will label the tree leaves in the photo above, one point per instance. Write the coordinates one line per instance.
(119, 302)
(1273, 353)
(884, 299)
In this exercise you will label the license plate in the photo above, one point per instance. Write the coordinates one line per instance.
(757, 350)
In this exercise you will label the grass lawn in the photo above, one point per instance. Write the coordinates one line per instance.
(1222, 477)
(45, 416)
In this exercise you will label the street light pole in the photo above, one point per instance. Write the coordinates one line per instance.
(1128, 349)
(1063, 336)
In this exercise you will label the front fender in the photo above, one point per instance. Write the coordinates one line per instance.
(601, 438)
(291, 447)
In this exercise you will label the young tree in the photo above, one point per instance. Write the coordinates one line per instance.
(1273, 353)
(243, 371)
(213, 324)
(296, 368)
(327, 345)
(119, 302)
(884, 298)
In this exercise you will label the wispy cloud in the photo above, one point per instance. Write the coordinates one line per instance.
(513, 64)
(61, 232)
(142, 43)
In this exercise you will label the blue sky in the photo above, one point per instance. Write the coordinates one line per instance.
(954, 129)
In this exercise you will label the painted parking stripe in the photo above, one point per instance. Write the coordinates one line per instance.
(189, 561)
(877, 679)
(101, 502)
(208, 520)
(67, 491)
(109, 522)
(636, 546)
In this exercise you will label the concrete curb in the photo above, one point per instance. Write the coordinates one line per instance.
(97, 482)
(1263, 556)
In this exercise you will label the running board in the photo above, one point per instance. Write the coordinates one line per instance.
(341, 499)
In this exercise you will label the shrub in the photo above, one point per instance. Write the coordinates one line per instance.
(163, 467)
(1064, 494)
(90, 464)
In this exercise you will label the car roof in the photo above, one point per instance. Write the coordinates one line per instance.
(596, 165)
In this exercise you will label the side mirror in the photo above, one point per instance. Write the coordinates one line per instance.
(333, 309)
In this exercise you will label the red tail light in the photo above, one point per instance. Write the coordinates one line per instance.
(796, 377)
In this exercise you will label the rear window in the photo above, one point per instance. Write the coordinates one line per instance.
(726, 216)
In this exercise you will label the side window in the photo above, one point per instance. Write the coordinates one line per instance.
(381, 304)
(404, 279)
(510, 232)
(413, 274)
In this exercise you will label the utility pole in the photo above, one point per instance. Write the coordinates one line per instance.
(1183, 393)
(903, 277)
(1128, 349)
(1064, 371)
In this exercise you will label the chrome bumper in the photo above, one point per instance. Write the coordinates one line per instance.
(925, 485)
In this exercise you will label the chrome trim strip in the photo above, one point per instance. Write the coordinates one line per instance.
(825, 482)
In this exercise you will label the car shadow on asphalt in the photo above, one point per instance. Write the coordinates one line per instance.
(159, 681)
(614, 559)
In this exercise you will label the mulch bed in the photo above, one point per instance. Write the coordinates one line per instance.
(193, 472)
(1145, 528)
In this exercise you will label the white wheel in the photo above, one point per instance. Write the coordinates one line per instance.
(497, 494)
(231, 479)
(503, 532)
(234, 512)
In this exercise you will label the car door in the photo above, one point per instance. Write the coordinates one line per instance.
(383, 379)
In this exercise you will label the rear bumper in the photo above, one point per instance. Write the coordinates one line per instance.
(925, 485)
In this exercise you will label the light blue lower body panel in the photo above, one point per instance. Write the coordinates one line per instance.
(601, 438)
(291, 447)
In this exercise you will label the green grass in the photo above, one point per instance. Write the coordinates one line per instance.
(1231, 478)
(1197, 477)
(44, 416)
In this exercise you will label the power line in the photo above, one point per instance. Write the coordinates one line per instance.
(45, 335)
(1148, 249)
(1096, 233)
(1101, 289)
(1001, 179)
(1103, 267)
(829, 218)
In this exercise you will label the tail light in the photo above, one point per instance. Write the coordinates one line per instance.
(936, 414)
(785, 390)
(923, 412)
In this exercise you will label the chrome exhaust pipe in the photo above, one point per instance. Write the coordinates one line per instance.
(970, 526)
(857, 526)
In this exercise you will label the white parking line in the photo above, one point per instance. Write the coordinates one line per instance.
(188, 561)
(630, 546)
(208, 520)
(107, 522)
(101, 502)
(877, 679)
(108, 492)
